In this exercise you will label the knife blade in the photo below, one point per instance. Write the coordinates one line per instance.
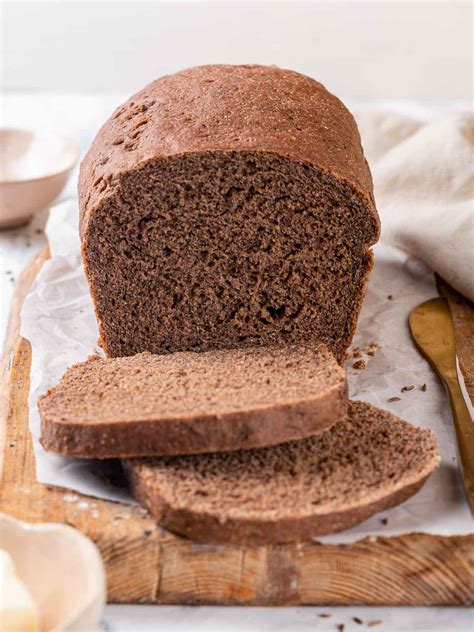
(431, 326)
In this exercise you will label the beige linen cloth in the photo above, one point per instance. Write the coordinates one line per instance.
(424, 187)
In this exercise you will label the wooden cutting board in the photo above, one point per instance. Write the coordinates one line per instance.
(146, 564)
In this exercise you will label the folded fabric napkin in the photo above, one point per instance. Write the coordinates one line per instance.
(424, 184)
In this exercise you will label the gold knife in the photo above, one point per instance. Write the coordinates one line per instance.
(432, 328)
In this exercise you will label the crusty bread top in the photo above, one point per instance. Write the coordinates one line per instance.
(227, 108)
(364, 458)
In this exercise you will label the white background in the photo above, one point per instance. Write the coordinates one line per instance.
(363, 51)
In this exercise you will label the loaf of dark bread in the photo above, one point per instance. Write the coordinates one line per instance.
(186, 403)
(365, 463)
(226, 206)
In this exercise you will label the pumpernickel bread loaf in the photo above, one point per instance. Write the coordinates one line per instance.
(368, 462)
(186, 403)
(227, 206)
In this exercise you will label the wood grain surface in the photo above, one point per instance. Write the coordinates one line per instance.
(146, 564)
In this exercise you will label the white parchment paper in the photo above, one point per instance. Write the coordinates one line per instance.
(58, 320)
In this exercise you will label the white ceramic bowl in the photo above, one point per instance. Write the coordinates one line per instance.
(62, 570)
(34, 167)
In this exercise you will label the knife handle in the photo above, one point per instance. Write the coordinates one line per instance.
(464, 427)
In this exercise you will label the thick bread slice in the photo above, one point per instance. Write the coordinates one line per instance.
(367, 462)
(188, 403)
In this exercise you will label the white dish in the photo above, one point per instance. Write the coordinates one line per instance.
(62, 570)
(34, 168)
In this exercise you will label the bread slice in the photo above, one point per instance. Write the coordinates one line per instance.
(187, 403)
(367, 462)
(227, 206)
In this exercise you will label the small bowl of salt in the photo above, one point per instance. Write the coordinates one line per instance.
(34, 168)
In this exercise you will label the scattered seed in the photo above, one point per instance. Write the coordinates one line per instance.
(39, 231)
(407, 388)
(341, 627)
(390, 297)
(28, 244)
(360, 364)
(324, 615)
(357, 620)
(11, 445)
(393, 399)
(423, 387)
(372, 348)
(356, 354)
(384, 521)
(372, 624)
(147, 532)
(8, 272)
